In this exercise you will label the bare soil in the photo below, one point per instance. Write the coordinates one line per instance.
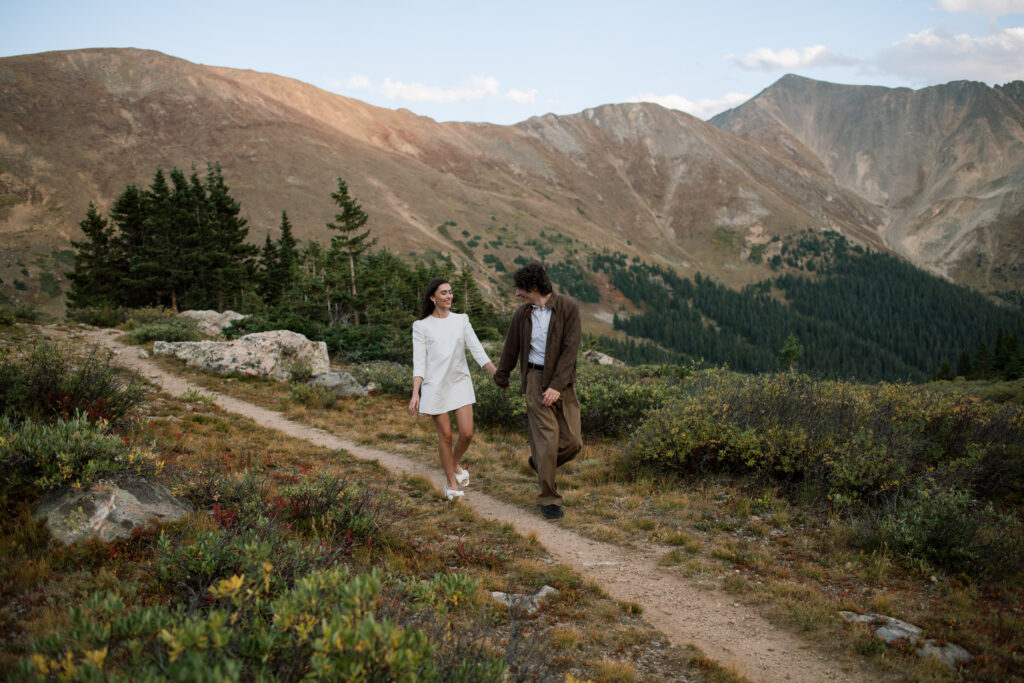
(732, 634)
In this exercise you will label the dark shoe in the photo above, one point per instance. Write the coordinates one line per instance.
(551, 511)
(532, 466)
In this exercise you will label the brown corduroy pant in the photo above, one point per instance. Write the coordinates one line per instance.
(555, 436)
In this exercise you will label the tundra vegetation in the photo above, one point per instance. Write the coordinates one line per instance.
(803, 492)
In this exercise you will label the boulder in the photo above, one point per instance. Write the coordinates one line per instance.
(340, 384)
(893, 630)
(598, 358)
(212, 323)
(528, 604)
(280, 355)
(108, 510)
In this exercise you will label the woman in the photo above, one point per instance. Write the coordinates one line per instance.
(441, 381)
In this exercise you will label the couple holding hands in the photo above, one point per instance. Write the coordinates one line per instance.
(543, 339)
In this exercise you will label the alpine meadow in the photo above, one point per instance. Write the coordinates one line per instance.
(801, 383)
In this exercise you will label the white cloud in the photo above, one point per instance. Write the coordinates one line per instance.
(767, 59)
(990, 7)
(936, 55)
(358, 81)
(703, 109)
(474, 89)
(522, 97)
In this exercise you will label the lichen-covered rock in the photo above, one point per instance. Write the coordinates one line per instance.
(212, 323)
(340, 384)
(108, 510)
(281, 355)
(598, 358)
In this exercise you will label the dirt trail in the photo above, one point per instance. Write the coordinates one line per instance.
(727, 632)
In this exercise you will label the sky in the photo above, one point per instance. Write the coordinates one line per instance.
(506, 62)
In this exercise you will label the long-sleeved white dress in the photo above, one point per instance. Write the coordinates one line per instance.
(439, 357)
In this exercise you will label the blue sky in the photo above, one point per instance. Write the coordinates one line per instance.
(505, 62)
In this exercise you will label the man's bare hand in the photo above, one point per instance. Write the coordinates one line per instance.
(549, 397)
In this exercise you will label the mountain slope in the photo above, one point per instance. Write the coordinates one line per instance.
(79, 126)
(945, 164)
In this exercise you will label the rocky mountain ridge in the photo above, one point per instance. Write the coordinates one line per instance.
(79, 126)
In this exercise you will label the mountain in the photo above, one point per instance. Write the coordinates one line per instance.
(78, 126)
(944, 165)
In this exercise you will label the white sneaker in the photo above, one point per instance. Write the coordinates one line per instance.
(462, 477)
(451, 495)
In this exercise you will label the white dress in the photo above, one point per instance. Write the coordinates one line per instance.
(439, 357)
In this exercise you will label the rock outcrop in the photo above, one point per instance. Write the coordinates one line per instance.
(340, 384)
(212, 323)
(281, 355)
(109, 510)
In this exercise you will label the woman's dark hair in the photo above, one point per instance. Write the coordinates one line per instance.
(427, 306)
(532, 275)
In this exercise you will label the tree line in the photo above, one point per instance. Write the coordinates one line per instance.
(182, 243)
(865, 315)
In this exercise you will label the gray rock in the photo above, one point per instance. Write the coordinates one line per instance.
(281, 355)
(212, 323)
(598, 358)
(893, 630)
(341, 384)
(949, 654)
(108, 510)
(529, 604)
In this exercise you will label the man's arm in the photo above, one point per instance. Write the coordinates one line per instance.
(510, 352)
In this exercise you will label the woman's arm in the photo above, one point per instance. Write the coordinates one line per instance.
(414, 402)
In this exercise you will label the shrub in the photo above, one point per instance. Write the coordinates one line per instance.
(313, 395)
(945, 527)
(323, 627)
(46, 382)
(923, 458)
(389, 378)
(118, 316)
(169, 330)
(362, 343)
(37, 457)
(613, 401)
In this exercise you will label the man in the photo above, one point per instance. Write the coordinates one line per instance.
(544, 338)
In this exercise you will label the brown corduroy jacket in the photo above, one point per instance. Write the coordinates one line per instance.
(563, 344)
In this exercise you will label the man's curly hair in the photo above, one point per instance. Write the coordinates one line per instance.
(532, 275)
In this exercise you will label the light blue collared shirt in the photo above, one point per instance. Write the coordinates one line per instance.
(541, 317)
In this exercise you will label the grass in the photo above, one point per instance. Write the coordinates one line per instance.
(425, 537)
(797, 563)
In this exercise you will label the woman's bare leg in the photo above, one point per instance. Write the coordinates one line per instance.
(464, 421)
(444, 449)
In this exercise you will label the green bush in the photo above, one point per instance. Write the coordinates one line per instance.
(321, 628)
(118, 316)
(46, 381)
(362, 343)
(169, 330)
(313, 395)
(392, 379)
(37, 457)
(924, 458)
(614, 401)
(945, 527)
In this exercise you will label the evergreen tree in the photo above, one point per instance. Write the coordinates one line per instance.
(983, 363)
(286, 272)
(95, 276)
(350, 243)
(964, 368)
(226, 239)
(267, 285)
(790, 352)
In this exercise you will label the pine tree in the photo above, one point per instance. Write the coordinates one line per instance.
(790, 352)
(230, 270)
(95, 276)
(267, 285)
(287, 271)
(350, 242)
(964, 368)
